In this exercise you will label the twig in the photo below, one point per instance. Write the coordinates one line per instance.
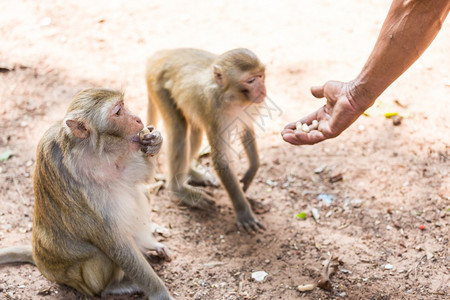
(18, 190)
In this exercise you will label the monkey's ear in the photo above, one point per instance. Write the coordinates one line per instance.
(218, 75)
(78, 128)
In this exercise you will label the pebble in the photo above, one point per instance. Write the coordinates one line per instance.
(45, 21)
(320, 169)
(259, 275)
(315, 214)
(388, 267)
(326, 199)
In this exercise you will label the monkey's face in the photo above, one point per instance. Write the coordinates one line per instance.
(126, 123)
(253, 87)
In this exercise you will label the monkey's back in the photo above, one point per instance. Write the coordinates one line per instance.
(60, 247)
(178, 77)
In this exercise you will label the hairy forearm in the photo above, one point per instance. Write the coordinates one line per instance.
(408, 30)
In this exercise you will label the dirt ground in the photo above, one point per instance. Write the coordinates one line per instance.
(394, 178)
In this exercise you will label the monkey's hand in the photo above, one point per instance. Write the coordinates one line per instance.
(246, 220)
(150, 140)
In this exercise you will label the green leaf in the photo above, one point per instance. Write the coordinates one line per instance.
(301, 215)
(6, 155)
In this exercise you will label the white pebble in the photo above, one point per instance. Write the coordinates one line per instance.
(314, 125)
(298, 126)
(45, 21)
(259, 275)
(388, 267)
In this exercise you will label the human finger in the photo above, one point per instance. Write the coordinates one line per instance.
(303, 138)
(318, 91)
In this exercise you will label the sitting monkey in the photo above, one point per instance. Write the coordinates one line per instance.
(91, 215)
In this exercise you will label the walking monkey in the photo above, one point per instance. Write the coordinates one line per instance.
(196, 91)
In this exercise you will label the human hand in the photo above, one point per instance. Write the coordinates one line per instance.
(340, 111)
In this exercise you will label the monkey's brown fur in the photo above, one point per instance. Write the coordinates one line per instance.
(195, 92)
(91, 216)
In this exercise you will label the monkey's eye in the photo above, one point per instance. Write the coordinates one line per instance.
(251, 80)
(117, 110)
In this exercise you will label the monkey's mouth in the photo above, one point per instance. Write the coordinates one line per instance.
(136, 139)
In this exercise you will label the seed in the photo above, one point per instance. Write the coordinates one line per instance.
(314, 125)
(298, 126)
(305, 127)
(143, 132)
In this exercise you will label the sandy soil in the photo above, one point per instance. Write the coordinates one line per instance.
(394, 178)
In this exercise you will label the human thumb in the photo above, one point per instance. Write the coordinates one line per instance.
(317, 91)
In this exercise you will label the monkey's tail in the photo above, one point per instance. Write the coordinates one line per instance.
(16, 254)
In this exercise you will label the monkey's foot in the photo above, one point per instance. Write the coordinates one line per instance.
(194, 197)
(249, 222)
(156, 228)
(161, 250)
(200, 176)
(121, 288)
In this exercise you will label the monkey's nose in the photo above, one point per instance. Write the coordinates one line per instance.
(138, 120)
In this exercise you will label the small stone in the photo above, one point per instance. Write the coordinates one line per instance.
(396, 120)
(259, 275)
(320, 169)
(315, 214)
(388, 267)
(45, 21)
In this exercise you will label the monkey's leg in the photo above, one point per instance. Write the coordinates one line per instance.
(178, 155)
(124, 252)
(90, 276)
(249, 142)
(199, 175)
(244, 214)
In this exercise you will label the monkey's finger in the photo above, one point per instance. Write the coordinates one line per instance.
(240, 227)
(261, 225)
(257, 226)
(164, 252)
(152, 138)
(249, 228)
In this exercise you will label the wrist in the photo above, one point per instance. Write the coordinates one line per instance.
(360, 95)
